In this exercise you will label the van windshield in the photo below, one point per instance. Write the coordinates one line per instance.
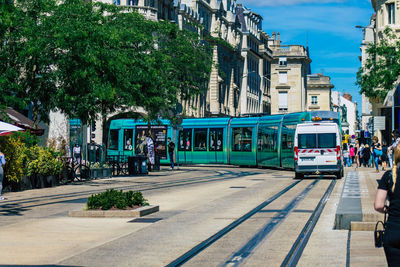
(325, 140)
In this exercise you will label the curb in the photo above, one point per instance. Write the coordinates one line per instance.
(143, 211)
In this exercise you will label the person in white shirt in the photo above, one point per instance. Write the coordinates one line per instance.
(77, 153)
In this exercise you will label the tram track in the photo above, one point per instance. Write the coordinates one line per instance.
(240, 255)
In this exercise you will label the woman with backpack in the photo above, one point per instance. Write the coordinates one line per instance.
(376, 150)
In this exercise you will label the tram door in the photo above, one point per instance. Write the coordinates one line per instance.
(185, 146)
(216, 145)
(287, 146)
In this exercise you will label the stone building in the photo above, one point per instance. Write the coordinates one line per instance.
(289, 69)
(254, 95)
(387, 16)
(319, 92)
(368, 38)
(348, 111)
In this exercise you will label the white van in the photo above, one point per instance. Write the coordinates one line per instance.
(318, 149)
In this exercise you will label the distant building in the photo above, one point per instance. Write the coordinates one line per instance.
(289, 70)
(348, 111)
(319, 92)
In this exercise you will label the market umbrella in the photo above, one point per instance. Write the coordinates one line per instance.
(6, 128)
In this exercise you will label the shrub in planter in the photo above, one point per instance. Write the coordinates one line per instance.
(116, 199)
(14, 151)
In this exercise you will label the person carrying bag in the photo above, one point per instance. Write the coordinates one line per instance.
(380, 234)
(389, 189)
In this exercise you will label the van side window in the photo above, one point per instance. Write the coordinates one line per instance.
(242, 139)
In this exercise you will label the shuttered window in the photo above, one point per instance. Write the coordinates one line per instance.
(283, 77)
(283, 101)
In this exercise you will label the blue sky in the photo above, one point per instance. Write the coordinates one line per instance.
(333, 40)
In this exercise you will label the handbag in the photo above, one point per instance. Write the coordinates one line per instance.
(380, 234)
(378, 153)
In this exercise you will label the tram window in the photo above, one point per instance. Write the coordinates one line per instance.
(185, 140)
(113, 140)
(327, 140)
(242, 138)
(216, 139)
(284, 141)
(200, 140)
(307, 141)
(128, 138)
(268, 138)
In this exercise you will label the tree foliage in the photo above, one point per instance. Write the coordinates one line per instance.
(382, 67)
(88, 59)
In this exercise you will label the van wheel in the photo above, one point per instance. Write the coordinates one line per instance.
(339, 174)
(299, 175)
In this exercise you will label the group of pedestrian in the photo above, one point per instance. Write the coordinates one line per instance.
(371, 156)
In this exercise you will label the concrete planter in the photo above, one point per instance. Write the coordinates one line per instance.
(143, 211)
(100, 173)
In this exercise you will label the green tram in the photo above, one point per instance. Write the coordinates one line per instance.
(265, 141)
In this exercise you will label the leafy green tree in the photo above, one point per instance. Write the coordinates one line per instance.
(382, 67)
(178, 67)
(99, 52)
(26, 76)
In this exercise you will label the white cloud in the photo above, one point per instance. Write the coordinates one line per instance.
(288, 2)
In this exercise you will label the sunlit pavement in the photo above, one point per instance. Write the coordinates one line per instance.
(195, 202)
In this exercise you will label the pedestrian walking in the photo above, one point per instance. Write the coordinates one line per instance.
(150, 151)
(359, 151)
(389, 188)
(366, 155)
(171, 149)
(396, 141)
(346, 156)
(384, 157)
(376, 150)
(77, 153)
(352, 151)
(2, 162)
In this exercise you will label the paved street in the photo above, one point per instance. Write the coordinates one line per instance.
(195, 203)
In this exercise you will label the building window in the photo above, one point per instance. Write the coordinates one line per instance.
(283, 77)
(282, 61)
(390, 12)
(131, 2)
(283, 101)
(117, 2)
(314, 100)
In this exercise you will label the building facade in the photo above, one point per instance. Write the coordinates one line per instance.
(319, 92)
(368, 38)
(289, 69)
(348, 111)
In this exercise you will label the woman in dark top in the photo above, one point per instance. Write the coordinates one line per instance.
(389, 188)
(384, 157)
